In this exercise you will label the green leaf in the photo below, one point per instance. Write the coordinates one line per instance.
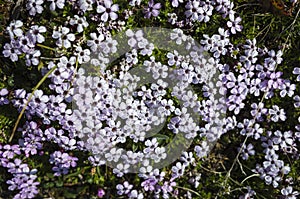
(40, 66)
(49, 185)
(59, 183)
(161, 137)
(10, 81)
(68, 194)
(134, 147)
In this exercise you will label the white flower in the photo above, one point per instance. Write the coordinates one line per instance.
(36, 35)
(233, 24)
(131, 57)
(64, 37)
(277, 114)
(57, 3)
(35, 6)
(86, 5)
(135, 38)
(135, 2)
(193, 10)
(187, 158)
(174, 58)
(108, 10)
(14, 29)
(121, 169)
(80, 22)
(83, 55)
(178, 170)
(178, 35)
(202, 150)
(109, 46)
(95, 41)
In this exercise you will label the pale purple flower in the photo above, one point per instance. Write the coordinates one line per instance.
(187, 158)
(135, 2)
(149, 184)
(178, 170)
(193, 10)
(38, 98)
(86, 5)
(250, 45)
(202, 150)
(108, 10)
(159, 153)
(258, 111)
(172, 18)
(174, 124)
(270, 147)
(134, 38)
(234, 24)
(121, 169)
(35, 6)
(83, 55)
(24, 183)
(148, 48)
(10, 150)
(222, 5)
(296, 71)
(277, 113)
(207, 13)
(297, 101)
(247, 150)
(249, 58)
(288, 193)
(152, 9)
(35, 33)
(174, 58)
(283, 139)
(255, 87)
(32, 58)
(56, 3)
(64, 37)
(15, 29)
(151, 145)
(175, 3)
(136, 194)
(275, 80)
(167, 187)
(178, 35)
(287, 89)
(124, 188)
(274, 58)
(109, 46)
(132, 57)
(80, 22)
(235, 106)
(25, 44)
(95, 41)
(62, 162)
(11, 52)
(3, 99)
(250, 193)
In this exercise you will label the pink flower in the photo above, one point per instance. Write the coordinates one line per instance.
(101, 193)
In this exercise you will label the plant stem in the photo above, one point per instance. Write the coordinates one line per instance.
(46, 47)
(253, 175)
(31, 95)
(187, 189)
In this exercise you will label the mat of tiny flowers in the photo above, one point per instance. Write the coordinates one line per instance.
(52, 152)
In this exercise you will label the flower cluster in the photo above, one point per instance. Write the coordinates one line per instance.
(62, 162)
(23, 178)
(103, 102)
